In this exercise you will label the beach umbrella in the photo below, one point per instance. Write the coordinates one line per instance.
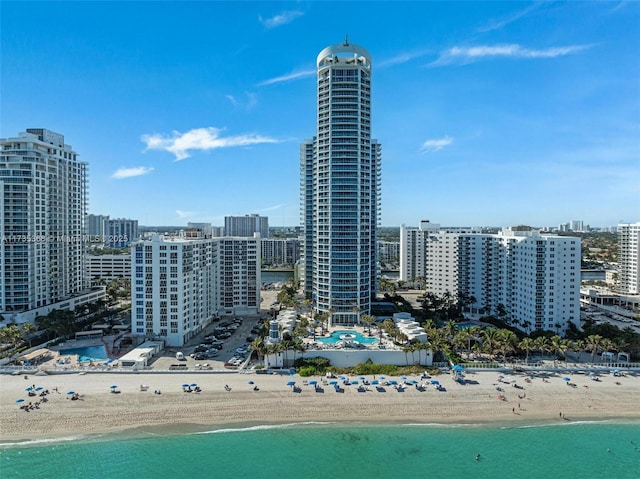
(333, 383)
(250, 382)
(185, 385)
(382, 378)
(566, 379)
(313, 383)
(457, 367)
(19, 400)
(433, 381)
(403, 377)
(291, 383)
(354, 382)
(392, 382)
(375, 383)
(28, 389)
(193, 385)
(70, 393)
(38, 388)
(113, 386)
(361, 378)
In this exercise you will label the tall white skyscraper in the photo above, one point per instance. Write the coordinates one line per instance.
(629, 257)
(43, 199)
(340, 189)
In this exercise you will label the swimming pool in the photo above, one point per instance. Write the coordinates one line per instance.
(353, 336)
(87, 353)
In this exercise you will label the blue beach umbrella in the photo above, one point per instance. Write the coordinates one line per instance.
(113, 386)
(375, 383)
(403, 377)
(566, 379)
(70, 393)
(185, 385)
(457, 367)
(382, 378)
(355, 382)
(313, 383)
(193, 385)
(393, 382)
(250, 382)
(333, 383)
(291, 383)
(433, 381)
(19, 400)
(28, 389)
(38, 388)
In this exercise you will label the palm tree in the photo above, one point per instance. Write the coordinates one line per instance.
(507, 341)
(259, 347)
(368, 320)
(490, 341)
(558, 347)
(542, 344)
(593, 343)
(527, 345)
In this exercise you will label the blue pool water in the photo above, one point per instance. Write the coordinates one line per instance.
(355, 336)
(86, 354)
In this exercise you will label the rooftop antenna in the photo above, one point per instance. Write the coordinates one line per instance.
(346, 40)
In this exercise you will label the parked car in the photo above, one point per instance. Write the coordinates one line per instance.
(212, 353)
(225, 335)
(201, 349)
(250, 339)
(200, 356)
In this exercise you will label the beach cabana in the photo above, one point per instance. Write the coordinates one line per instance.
(457, 372)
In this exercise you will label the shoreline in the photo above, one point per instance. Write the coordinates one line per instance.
(135, 413)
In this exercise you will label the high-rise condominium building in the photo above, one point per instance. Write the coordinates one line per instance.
(120, 232)
(94, 224)
(340, 189)
(246, 226)
(533, 280)
(629, 257)
(43, 199)
(179, 285)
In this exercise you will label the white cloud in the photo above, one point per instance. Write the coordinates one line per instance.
(470, 54)
(121, 173)
(249, 104)
(281, 19)
(200, 139)
(436, 144)
(288, 77)
(497, 24)
(184, 214)
(273, 208)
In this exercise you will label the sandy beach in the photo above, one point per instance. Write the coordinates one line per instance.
(539, 398)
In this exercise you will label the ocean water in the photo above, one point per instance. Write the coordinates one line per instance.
(569, 450)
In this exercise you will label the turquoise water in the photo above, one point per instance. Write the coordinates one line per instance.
(572, 450)
(86, 354)
(334, 337)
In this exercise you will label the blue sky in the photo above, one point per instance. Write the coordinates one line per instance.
(488, 113)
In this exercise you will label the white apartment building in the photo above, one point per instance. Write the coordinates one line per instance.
(238, 275)
(172, 288)
(108, 266)
(94, 224)
(43, 199)
(179, 285)
(120, 232)
(534, 277)
(246, 225)
(388, 251)
(629, 257)
(278, 251)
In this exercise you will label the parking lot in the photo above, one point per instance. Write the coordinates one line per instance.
(237, 338)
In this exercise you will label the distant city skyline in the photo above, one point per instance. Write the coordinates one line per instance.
(489, 113)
